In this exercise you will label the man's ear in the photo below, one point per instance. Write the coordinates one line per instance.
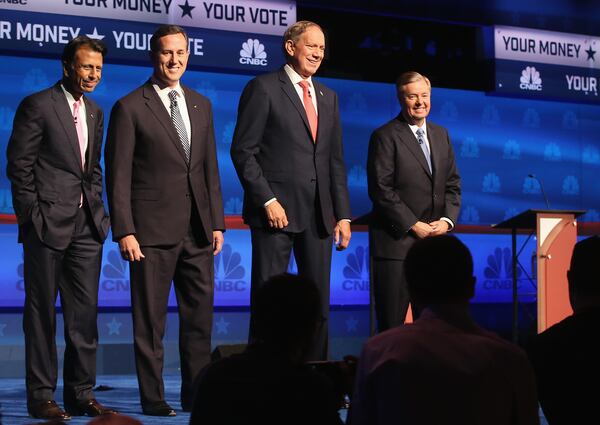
(289, 47)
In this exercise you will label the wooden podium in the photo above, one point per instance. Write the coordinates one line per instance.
(556, 232)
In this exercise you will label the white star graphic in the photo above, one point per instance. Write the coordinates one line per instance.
(351, 324)
(114, 327)
(2, 327)
(222, 326)
(95, 35)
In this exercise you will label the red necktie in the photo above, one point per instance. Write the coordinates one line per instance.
(311, 114)
(79, 128)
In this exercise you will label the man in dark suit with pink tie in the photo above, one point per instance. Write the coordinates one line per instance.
(54, 168)
(287, 151)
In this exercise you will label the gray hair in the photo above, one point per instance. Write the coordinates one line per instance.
(410, 77)
(294, 31)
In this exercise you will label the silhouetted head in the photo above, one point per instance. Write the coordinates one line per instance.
(584, 274)
(439, 270)
(287, 313)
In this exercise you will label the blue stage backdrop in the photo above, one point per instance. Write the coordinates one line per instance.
(498, 143)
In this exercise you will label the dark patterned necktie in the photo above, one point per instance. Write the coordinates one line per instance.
(177, 121)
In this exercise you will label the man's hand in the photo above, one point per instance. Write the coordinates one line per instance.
(440, 227)
(422, 230)
(218, 240)
(276, 215)
(130, 248)
(342, 235)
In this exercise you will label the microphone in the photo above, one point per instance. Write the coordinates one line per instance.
(533, 176)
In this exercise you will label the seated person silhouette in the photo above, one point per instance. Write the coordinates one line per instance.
(269, 383)
(566, 356)
(443, 368)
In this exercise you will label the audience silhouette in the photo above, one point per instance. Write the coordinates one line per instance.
(566, 356)
(443, 368)
(269, 383)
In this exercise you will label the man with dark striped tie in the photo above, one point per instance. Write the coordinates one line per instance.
(164, 195)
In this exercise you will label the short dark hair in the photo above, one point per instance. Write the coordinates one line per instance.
(584, 270)
(287, 310)
(165, 30)
(294, 31)
(80, 42)
(439, 269)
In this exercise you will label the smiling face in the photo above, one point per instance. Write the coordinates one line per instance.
(170, 59)
(83, 74)
(306, 54)
(415, 101)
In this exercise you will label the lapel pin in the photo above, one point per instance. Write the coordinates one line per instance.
(92, 116)
(320, 92)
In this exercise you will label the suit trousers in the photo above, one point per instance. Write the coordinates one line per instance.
(271, 252)
(74, 273)
(190, 266)
(390, 292)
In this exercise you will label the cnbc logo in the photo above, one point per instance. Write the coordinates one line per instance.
(115, 277)
(229, 273)
(356, 270)
(498, 272)
(253, 53)
(530, 79)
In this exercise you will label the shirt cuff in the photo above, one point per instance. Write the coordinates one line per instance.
(450, 223)
(270, 201)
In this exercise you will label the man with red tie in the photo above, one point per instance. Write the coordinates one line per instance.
(287, 151)
(54, 168)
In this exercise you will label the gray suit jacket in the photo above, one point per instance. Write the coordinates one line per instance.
(402, 188)
(44, 167)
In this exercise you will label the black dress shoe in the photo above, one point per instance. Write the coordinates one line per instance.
(160, 408)
(89, 407)
(48, 410)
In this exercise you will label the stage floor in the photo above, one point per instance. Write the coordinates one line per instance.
(349, 329)
(120, 392)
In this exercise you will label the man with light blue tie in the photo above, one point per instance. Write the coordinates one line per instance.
(415, 189)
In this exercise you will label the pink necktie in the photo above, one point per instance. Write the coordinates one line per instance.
(79, 128)
(311, 114)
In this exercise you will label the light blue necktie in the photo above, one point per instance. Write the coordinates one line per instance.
(421, 140)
